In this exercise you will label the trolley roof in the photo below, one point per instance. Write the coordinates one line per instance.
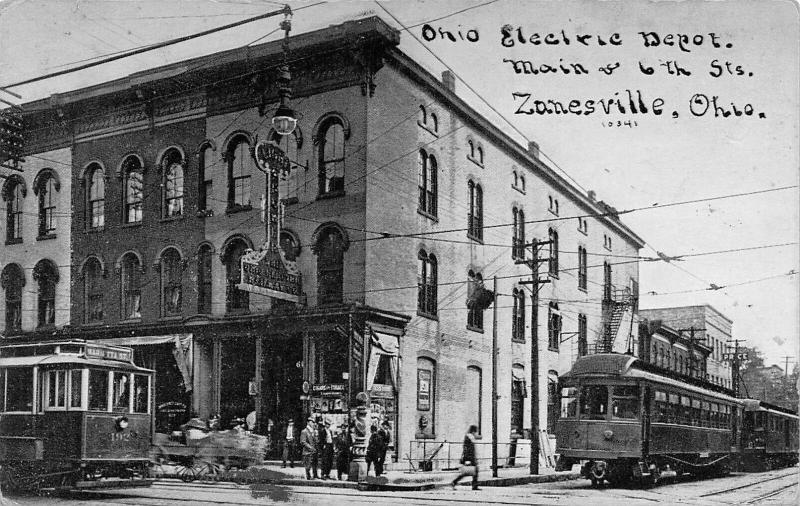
(73, 352)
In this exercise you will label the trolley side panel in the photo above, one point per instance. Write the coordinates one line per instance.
(108, 441)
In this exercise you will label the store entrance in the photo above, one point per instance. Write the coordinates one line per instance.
(282, 386)
(238, 365)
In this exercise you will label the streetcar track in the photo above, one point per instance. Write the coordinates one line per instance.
(770, 494)
(728, 490)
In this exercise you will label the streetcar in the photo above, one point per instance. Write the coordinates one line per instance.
(769, 436)
(73, 414)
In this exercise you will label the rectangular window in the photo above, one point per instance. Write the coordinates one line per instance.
(19, 397)
(122, 392)
(75, 390)
(2, 390)
(140, 393)
(569, 402)
(625, 402)
(594, 402)
(583, 344)
(98, 390)
(56, 389)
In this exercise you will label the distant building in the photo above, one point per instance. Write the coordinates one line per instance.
(712, 329)
(665, 347)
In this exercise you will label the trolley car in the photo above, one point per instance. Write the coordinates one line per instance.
(769, 436)
(73, 414)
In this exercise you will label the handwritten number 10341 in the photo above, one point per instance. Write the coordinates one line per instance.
(619, 124)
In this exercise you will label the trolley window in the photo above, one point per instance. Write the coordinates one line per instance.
(122, 392)
(98, 390)
(661, 411)
(19, 389)
(625, 402)
(75, 390)
(569, 402)
(57, 389)
(594, 402)
(140, 393)
(695, 412)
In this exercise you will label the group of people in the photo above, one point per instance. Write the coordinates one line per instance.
(323, 447)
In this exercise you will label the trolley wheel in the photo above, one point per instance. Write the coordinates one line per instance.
(186, 473)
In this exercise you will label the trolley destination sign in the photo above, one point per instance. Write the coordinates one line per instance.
(266, 273)
(107, 353)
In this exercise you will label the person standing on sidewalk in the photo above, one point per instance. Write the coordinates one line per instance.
(386, 439)
(288, 445)
(469, 460)
(308, 441)
(342, 445)
(326, 455)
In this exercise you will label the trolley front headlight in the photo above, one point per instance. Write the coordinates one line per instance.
(608, 434)
(121, 422)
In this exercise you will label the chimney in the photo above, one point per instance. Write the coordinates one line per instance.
(591, 194)
(449, 80)
(533, 149)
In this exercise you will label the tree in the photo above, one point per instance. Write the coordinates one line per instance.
(768, 383)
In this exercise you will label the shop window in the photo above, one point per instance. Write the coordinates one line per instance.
(20, 397)
(518, 315)
(475, 216)
(427, 283)
(241, 167)
(46, 275)
(131, 284)
(474, 388)
(14, 192)
(133, 176)
(92, 291)
(13, 280)
(173, 165)
(330, 266)
(46, 188)
(95, 205)
(236, 300)
(330, 358)
(171, 282)
(518, 239)
(331, 161)
(204, 279)
(428, 183)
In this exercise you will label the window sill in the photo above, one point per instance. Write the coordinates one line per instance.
(48, 326)
(429, 316)
(132, 224)
(46, 237)
(479, 330)
(93, 324)
(238, 209)
(518, 189)
(550, 348)
(582, 231)
(130, 320)
(474, 238)
(427, 128)
(95, 230)
(475, 161)
(330, 195)
(172, 218)
(14, 240)
(171, 318)
(428, 215)
(515, 340)
(553, 275)
(583, 289)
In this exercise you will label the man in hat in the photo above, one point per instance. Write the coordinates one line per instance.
(385, 432)
(308, 442)
(342, 444)
(326, 455)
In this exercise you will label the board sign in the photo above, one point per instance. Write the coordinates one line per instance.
(328, 389)
(265, 272)
(734, 356)
(423, 389)
(380, 391)
(103, 353)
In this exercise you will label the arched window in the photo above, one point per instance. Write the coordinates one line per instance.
(516, 179)
(428, 182)
(475, 313)
(475, 218)
(133, 177)
(173, 164)
(423, 115)
(680, 364)
(553, 326)
(553, 260)
(290, 245)
(330, 266)
(427, 283)
(474, 388)
(288, 183)
(241, 167)
(171, 282)
(480, 155)
(13, 280)
(236, 300)
(331, 156)
(518, 316)
(205, 168)
(471, 146)
(518, 240)
(522, 183)
(434, 122)
(582, 268)
(204, 279)
(131, 285)
(96, 201)
(45, 273)
(14, 192)
(47, 188)
(92, 291)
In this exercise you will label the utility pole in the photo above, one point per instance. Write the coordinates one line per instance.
(786, 367)
(494, 381)
(691, 331)
(533, 263)
(734, 364)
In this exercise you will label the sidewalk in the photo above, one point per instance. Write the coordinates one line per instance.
(273, 472)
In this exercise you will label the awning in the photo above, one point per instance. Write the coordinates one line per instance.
(382, 344)
(182, 351)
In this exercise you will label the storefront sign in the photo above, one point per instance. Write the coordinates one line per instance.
(264, 272)
(423, 389)
(328, 389)
(382, 391)
(101, 352)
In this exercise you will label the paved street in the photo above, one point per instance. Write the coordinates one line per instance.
(771, 488)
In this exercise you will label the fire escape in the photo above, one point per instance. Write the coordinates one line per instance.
(616, 302)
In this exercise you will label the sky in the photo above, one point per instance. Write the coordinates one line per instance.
(685, 153)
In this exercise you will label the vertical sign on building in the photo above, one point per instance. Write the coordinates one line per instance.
(423, 390)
